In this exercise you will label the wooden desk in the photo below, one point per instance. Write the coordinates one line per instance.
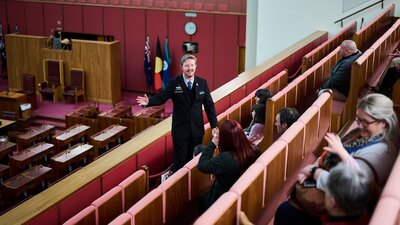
(154, 111)
(4, 172)
(6, 148)
(69, 135)
(67, 158)
(103, 138)
(5, 123)
(118, 111)
(85, 111)
(10, 101)
(34, 134)
(30, 178)
(30, 155)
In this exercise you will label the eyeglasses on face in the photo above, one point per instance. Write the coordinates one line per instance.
(364, 122)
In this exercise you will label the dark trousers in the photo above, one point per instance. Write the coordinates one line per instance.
(183, 150)
(286, 214)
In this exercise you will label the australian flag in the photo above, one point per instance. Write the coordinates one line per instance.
(147, 64)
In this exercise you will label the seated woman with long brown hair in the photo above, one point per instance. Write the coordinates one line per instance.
(237, 153)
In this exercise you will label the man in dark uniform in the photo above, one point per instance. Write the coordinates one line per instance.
(188, 93)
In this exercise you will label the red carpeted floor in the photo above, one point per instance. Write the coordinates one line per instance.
(60, 109)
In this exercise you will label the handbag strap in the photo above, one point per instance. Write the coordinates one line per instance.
(370, 167)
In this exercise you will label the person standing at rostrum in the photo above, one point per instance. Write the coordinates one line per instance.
(188, 93)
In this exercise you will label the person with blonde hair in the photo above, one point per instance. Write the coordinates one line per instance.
(189, 93)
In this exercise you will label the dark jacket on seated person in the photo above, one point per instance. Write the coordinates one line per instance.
(339, 78)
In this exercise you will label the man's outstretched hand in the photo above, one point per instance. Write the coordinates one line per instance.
(143, 101)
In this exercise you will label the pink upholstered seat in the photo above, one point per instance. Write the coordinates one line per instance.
(85, 217)
(294, 136)
(199, 183)
(108, 206)
(123, 219)
(175, 195)
(149, 209)
(223, 211)
(134, 188)
(310, 119)
(386, 212)
(250, 188)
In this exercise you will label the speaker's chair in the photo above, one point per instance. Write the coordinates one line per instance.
(53, 80)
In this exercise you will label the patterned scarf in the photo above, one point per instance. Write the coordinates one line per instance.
(352, 142)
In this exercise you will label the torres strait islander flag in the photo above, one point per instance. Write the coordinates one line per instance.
(167, 62)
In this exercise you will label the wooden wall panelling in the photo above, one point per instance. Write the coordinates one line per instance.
(35, 19)
(102, 77)
(242, 31)
(73, 18)
(52, 14)
(16, 16)
(93, 20)
(226, 53)
(205, 37)
(114, 25)
(25, 50)
(134, 49)
(176, 37)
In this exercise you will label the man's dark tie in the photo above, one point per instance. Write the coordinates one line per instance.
(189, 85)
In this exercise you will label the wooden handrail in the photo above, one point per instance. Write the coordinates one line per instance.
(367, 7)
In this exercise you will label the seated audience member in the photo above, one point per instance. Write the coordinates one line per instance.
(390, 77)
(261, 97)
(346, 196)
(339, 79)
(373, 147)
(257, 129)
(285, 118)
(236, 155)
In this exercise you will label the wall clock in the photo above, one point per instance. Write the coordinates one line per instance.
(190, 28)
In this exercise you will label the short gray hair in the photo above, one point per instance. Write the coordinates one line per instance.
(380, 107)
(350, 187)
(188, 56)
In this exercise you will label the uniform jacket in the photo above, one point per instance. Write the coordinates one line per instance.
(187, 114)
